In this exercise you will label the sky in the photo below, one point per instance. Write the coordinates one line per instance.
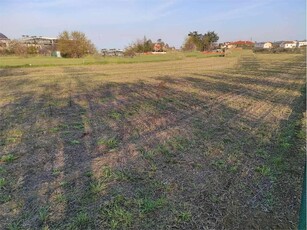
(117, 23)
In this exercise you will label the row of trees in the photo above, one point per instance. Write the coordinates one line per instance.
(75, 44)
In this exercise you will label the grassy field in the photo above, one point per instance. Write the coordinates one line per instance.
(35, 61)
(184, 143)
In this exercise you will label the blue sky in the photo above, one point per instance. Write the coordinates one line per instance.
(116, 23)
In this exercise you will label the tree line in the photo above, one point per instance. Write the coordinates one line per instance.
(75, 44)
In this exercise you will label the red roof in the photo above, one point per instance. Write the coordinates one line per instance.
(242, 43)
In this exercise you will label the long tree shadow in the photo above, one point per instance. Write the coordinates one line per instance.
(188, 153)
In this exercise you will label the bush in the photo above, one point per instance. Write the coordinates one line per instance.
(278, 50)
(75, 44)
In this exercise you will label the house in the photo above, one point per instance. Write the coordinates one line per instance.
(243, 44)
(289, 44)
(302, 43)
(263, 45)
(39, 41)
(4, 41)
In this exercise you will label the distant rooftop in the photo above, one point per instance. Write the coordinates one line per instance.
(242, 43)
(3, 37)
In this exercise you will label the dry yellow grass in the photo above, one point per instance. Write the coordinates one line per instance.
(188, 144)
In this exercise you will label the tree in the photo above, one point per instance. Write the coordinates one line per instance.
(209, 38)
(74, 44)
(189, 44)
(141, 46)
(200, 42)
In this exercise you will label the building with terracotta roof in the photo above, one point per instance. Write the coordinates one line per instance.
(243, 44)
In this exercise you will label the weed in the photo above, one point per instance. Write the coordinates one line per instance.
(111, 143)
(107, 172)
(118, 217)
(149, 154)
(5, 198)
(54, 129)
(8, 158)
(184, 216)
(220, 164)
(16, 225)
(147, 205)
(43, 213)
(88, 174)
(97, 186)
(3, 182)
(262, 153)
(79, 126)
(121, 175)
(233, 168)
(56, 172)
(2, 170)
(263, 170)
(164, 150)
(277, 161)
(115, 115)
(60, 198)
(178, 143)
(81, 221)
(64, 184)
(75, 142)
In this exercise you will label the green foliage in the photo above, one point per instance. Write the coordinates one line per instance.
(147, 205)
(14, 226)
(81, 221)
(97, 186)
(2, 182)
(115, 115)
(263, 170)
(43, 213)
(8, 158)
(141, 46)
(116, 214)
(111, 143)
(184, 216)
(200, 41)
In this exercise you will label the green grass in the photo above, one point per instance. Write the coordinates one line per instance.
(43, 213)
(97, 186)
(110, 143)
(3, 182)
(116, 215)
(8, 158)
(35, 61)
(81, 221)
(147, 205)
(13, 61)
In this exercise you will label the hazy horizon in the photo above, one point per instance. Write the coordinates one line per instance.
(117, 23)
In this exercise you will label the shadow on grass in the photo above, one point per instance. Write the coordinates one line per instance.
(188, 153)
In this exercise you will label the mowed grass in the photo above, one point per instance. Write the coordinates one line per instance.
(189, 143)
(35, 61)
